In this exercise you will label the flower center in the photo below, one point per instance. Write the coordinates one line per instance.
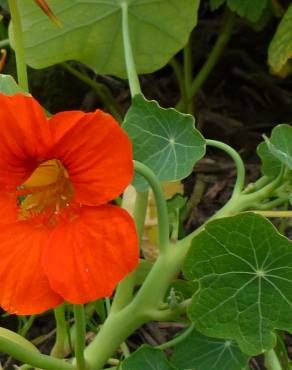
(46, 192)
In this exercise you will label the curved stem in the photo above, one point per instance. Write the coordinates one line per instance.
(101, 90)
(239, 184)
(162, 214)
(18, 45)
(128, 51)
(215, 54)
(79, 336)
(140, 212)
(33, 358)
(177, 339)
(61, 332)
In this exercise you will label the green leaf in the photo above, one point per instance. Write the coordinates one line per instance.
(215, 4)
(280, 144)
(280, 49)
(92, 33)
(271, 166)
(249, 9)
(199, 352)
(147, 358)
(8, 86)
(244, 268)
(163, 139)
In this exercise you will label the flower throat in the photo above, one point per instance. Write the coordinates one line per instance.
(45, 193)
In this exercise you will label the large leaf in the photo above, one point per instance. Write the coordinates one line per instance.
(92, 33)
(244, 268)
(280, 144)
(271, 166)
(250, 9)
(163, 139)
(280, 49)
(147, 358)
(199, 352)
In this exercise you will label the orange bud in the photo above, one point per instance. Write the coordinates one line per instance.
(3, 59)
(46, 9)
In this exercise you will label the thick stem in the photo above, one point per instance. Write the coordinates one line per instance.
(18, 45)
(79, 336)
(33, 358)
(128, 51)
(271, 360)
(215, 54)
(61, 332)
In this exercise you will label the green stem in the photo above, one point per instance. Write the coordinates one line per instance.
(33, 358)
(177, 339)
(215, 54)
(140, 213)
(128, 51)
(180, 79)
(239, 184)
(102, 91)
(61, 332)
(162, 213)
(188, 69)
(271, 360)
(27, 325)
(79, 336)
(18, 45)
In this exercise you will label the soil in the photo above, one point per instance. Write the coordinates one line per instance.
(239, 102)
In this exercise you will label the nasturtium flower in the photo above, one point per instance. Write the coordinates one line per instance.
(60, 239)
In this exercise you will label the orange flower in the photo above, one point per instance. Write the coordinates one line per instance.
(59, 239)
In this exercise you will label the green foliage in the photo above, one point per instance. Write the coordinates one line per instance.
(271, 166)
(199, 352)
(250, 9)
(176, 212)
(163, 139)
(244, 267)
(92, 33)
(280, 144)
(8, 86)
(147, 358)
(280, 49)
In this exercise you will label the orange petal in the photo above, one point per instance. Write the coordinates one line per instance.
(24, 287)
(96, 152)
(25, 138)
(87, 257)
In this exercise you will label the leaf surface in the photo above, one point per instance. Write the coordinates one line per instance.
(244, 268)
(280, 48)
(271, 166)
(280, 144)
(92, 33)
(8, 85)
(163, 139)
(147, 358)
(249, 9)
(199, 352)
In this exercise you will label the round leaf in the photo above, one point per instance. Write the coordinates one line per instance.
(92, 33)
(244, 268)
(199, 352)
(163, 139)
(147, 358)
(271, 166)
(280, 144)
